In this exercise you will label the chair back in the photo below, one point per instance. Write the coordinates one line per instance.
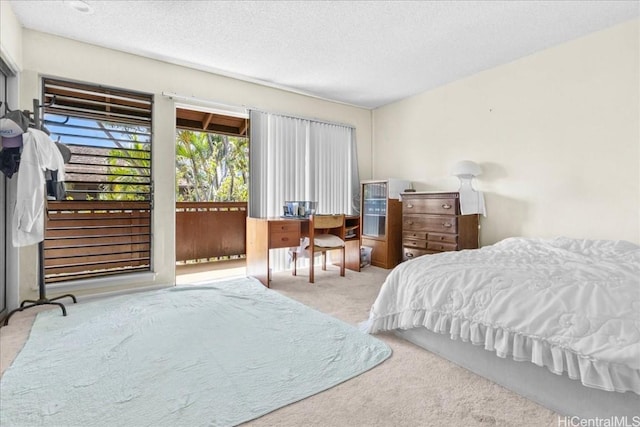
(326, 224)
(327, 221)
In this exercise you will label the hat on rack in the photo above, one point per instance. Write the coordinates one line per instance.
(12, 141)
(13, 123)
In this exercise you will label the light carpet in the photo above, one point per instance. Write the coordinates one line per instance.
(414, 387)
(213, 355)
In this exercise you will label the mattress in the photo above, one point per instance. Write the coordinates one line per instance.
(570, 305)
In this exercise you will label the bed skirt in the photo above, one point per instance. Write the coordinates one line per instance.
(556, 392)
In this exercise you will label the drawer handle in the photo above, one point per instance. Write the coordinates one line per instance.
(446, 224)
(409, 206)
(441, 237)
(410, 222)
(446, 206)
(285, 239)
(409, 255)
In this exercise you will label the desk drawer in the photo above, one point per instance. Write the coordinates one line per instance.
(284, 240)
(284, 227)
(284, 234)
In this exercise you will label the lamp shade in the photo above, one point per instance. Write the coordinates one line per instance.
(466, 168)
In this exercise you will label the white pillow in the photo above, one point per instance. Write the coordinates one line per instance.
(327, 240)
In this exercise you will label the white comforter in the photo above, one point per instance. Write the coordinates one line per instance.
(570, 305)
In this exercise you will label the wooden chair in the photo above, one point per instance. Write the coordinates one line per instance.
(326, 233)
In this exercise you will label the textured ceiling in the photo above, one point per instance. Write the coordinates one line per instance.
(365, 53)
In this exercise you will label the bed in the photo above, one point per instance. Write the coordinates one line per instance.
(555, 320)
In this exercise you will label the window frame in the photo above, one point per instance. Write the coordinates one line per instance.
(72, 253)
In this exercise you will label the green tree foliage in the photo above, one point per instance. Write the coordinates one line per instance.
(129, 167)
(211, 167)
(129, 174)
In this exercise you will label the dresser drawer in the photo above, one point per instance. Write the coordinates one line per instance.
(444, 206)
(414, 234)
(435, 223)
(437, 246)
(418, 244)
(435, 218)
(408, 253)
(443, 238)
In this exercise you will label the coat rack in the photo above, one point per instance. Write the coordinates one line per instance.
(42, 292)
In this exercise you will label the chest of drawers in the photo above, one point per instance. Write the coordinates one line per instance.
(431, 223)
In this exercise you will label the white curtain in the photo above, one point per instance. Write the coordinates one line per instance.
(299, 159)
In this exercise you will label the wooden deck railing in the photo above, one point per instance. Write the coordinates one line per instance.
(89, 239)
(206, 230)
(85, 239)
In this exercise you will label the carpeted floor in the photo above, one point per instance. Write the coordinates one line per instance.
(412, 388)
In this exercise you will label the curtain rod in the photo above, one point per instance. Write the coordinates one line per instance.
(208, 103)
(245, 109)
(311, 119)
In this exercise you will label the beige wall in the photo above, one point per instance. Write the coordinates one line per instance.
(10, 36)
(59, 57)
(557, 134)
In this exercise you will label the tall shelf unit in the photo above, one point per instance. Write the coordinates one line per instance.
(381, 220)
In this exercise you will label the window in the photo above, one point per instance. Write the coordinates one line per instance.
(103, 226)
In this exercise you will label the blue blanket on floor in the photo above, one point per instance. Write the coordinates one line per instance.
(212, 355)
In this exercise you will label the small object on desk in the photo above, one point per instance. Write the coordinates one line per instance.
(299, 209)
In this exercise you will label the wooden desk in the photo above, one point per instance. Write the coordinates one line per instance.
(264, 234)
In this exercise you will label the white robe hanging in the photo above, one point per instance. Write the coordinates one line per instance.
(39, 153)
